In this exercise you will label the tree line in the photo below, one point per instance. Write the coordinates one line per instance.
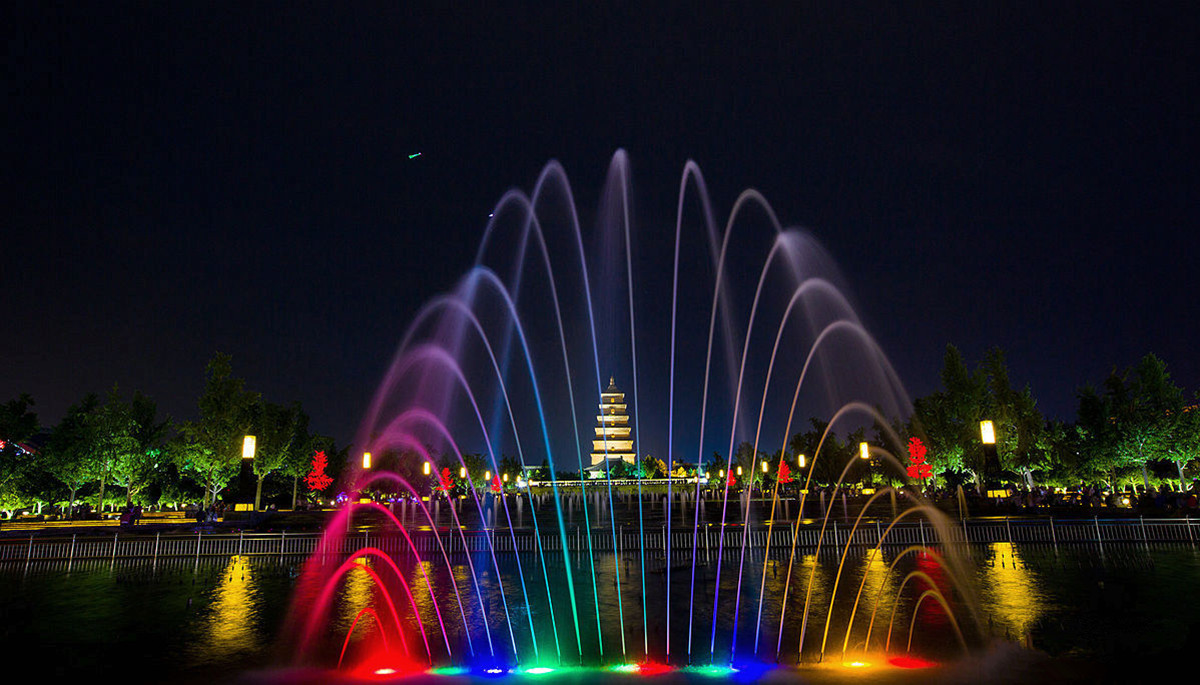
(120, 449)
(1135, 428)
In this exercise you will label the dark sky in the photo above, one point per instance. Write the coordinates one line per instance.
(189, 177)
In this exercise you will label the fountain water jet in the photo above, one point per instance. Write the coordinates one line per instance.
(420, 402)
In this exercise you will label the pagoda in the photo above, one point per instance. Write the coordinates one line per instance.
(613, 440)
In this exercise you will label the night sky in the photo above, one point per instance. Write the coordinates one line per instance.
(183, 178)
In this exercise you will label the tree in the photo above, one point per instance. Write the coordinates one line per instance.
(1021, 438)
(1184, 443)
(212, 446)
(136, 467)
(303, 465)
(948, 420)
(1144, 405)
(653, 467)
(827, 465)
(317, 480)
(282, 434)
(18, 423)
(113, 443)
(68, 454)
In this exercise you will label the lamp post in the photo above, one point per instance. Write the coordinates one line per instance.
(864, 453)
(366, 461)
(246, 473)
(991, 458)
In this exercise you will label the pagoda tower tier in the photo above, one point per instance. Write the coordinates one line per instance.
(614, 436)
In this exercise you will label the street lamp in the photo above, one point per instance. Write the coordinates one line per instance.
(427, 468)
(864, 450)
(487, 475)
(366, 460)
(248, 447)
(801, 461)
(991, 458)
(987, 432)
(462, 472)
(739, 469)
(765, 467)
(505, 478)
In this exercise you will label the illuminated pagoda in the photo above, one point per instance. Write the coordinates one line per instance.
(614, 436)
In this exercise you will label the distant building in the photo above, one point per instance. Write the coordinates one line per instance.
(614, 436)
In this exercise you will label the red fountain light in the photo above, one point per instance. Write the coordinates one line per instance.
(910, 662)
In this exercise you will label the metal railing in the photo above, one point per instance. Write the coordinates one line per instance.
(705, 540)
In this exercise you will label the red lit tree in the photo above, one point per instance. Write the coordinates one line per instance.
(919, 468)
(497, 486)
(317, 479)
(785, 473)
(445, 480)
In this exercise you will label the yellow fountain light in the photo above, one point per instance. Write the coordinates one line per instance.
(987, 431)
(868, 491)
(864, 450)
(248, 445)
(366, 460)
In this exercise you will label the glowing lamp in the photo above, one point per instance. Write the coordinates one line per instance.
(505, 479)
(248, 444)
(765, 467)
(462, 472)
(801, 461)
(739, 470)
(721, 473)
(366, 460)
(427, 468)
(988, 432)
(864, 450)
(487, 475)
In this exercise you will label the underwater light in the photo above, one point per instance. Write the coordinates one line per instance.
(385, 671)
(910, 662)
(540, 670)
(855, 664)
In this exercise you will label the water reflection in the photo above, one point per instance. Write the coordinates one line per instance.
(1010, 591)
(231, 623)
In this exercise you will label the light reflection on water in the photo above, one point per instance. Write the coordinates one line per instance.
(1068, 601)
(1010, 591)
(232, 623)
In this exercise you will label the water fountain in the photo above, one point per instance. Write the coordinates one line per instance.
(630, 574)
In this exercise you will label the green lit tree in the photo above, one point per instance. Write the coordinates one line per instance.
(211, 447)
(1183, 445)
(68, 454)
(113, 441)
(283, 440)
(1144, 404)
(18, 423)
(137, 468)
